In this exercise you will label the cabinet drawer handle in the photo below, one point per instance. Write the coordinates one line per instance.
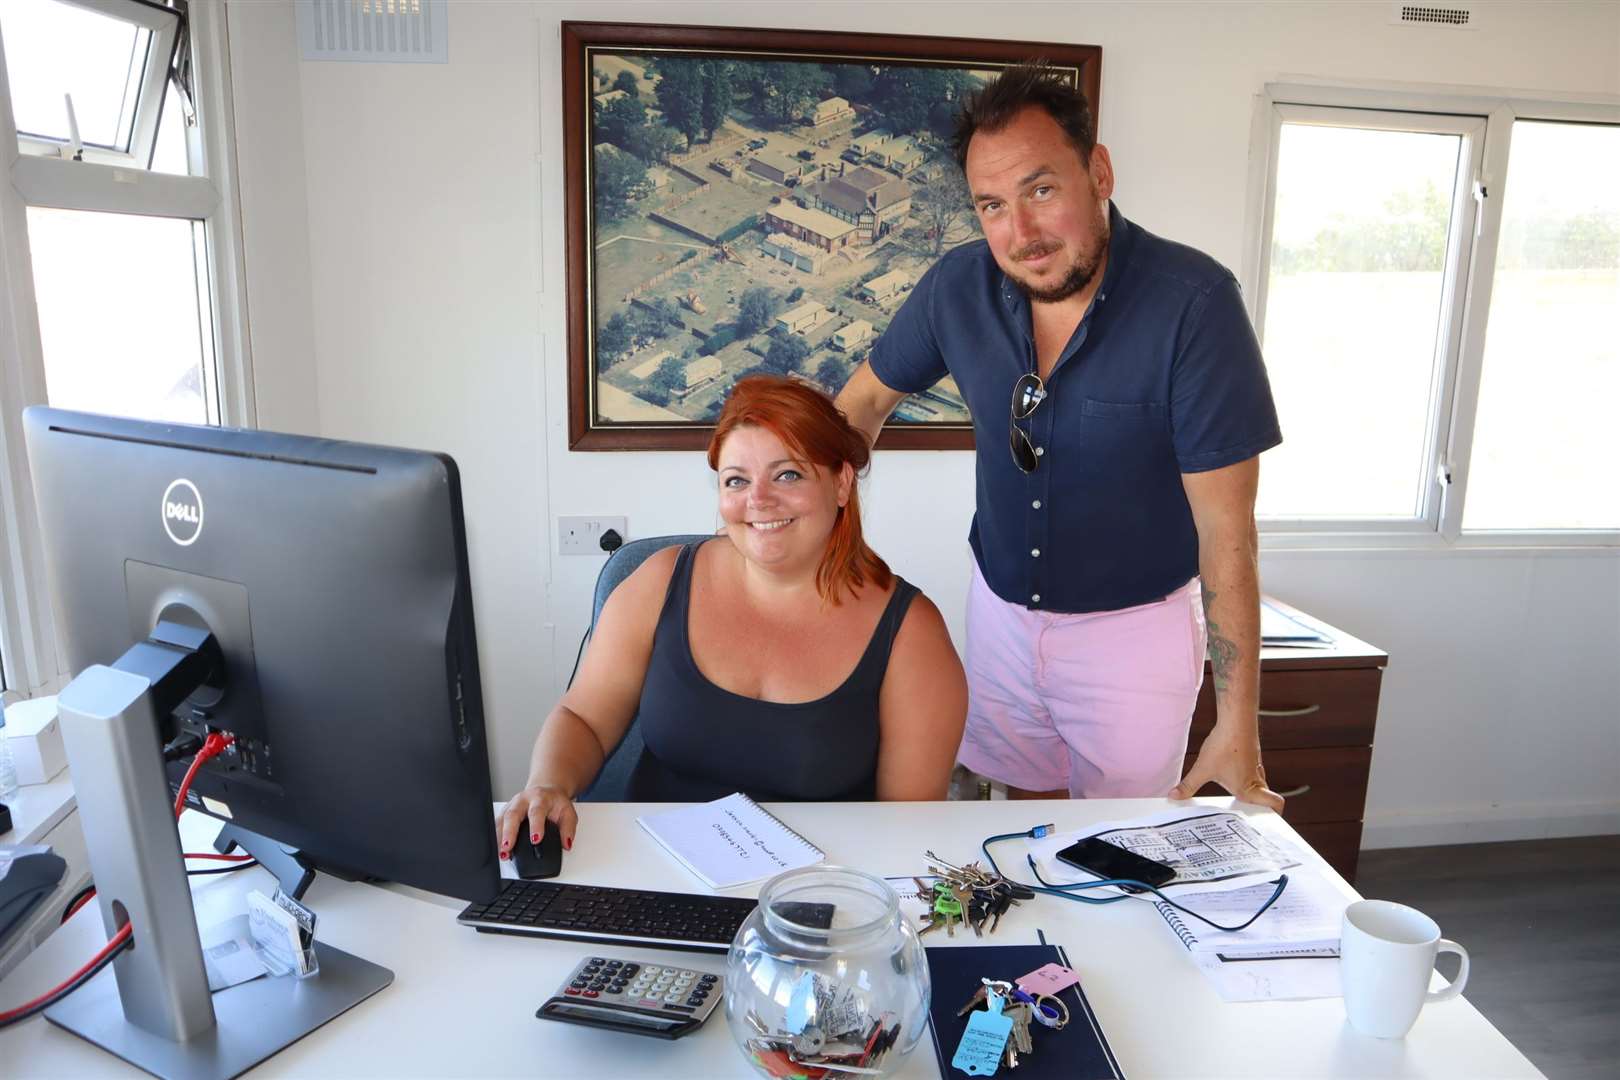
(1294, 793)
(1303, 710)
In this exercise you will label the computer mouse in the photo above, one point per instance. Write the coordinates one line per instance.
(542, 860)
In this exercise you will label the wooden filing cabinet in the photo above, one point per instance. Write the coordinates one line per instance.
(1318, 709)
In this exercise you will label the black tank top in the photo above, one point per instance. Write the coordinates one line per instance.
(704, 742)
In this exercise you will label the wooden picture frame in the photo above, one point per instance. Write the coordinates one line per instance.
(779, 215)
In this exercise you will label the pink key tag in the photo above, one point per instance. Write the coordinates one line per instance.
(1048, 979)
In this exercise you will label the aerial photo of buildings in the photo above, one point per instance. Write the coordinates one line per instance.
(762, 215)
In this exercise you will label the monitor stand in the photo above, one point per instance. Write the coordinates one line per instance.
(157, 1012)
(294, 869)
(291, 868)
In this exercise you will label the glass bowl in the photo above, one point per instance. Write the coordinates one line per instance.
(826, 974)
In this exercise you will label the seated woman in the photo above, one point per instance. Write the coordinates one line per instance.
(781, 658)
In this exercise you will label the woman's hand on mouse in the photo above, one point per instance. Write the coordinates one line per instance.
(530, 809)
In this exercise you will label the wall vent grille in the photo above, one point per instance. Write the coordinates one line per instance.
(374, 31)
(1451, 17)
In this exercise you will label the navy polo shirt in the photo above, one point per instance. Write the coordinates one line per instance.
(1163, 376)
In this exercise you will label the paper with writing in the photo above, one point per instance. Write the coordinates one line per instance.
(731, 841)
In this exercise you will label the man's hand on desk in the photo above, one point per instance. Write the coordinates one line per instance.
(530, 808)
(1232, 760)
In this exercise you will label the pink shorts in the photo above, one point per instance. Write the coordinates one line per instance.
(1098, 703)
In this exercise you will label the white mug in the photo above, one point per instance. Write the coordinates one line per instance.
(1386, 958)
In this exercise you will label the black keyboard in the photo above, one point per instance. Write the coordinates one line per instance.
(596, 913)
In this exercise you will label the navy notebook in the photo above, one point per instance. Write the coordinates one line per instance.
(1079, 1052)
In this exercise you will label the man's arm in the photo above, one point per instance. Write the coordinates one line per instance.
(1222, 502)
(867, 401)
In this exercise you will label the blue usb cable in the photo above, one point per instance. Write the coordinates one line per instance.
(1065, 891)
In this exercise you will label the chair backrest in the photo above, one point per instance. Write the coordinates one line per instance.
(611, 782)
(623, 562)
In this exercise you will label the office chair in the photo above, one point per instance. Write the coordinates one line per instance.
(611, 782)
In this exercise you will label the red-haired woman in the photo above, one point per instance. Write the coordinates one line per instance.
(782, 658)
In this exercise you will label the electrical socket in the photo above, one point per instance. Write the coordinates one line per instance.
(583, 535)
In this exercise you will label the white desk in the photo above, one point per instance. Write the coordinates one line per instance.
(463, 1003)
(46, 814)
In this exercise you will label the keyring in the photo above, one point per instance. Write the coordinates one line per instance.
(1056, 1019)
(1046, 1015)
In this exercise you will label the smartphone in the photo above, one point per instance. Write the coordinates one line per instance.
(1110, 861)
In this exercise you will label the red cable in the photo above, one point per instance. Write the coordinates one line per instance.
(214, 744)
(117, 940)
(216, 858)
(79, 903)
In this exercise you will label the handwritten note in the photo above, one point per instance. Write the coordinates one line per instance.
(730, 841)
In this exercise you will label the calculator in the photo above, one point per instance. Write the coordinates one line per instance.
(643, 999)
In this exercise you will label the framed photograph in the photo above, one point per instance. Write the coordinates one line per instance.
(758, 200)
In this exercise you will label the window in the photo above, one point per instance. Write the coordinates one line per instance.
(120, 279)
(1435, 282)
(145, 348)
(1552, 344)
(1355, 332)
(89, 75)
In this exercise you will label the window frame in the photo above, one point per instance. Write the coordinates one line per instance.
(1460, 236)
(27, 625)
(1470, 270)
(163, 24)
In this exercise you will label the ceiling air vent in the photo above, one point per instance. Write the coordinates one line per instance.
(1450, 16)
(376, 31)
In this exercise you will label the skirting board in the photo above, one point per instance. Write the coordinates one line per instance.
(1488, 823)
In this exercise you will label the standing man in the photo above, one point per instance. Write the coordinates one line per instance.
(1115, 495)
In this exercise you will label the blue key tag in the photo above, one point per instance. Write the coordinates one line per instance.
(979, 1052)
(801, 1004)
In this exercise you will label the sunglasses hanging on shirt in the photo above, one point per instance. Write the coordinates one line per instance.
(1028, 393)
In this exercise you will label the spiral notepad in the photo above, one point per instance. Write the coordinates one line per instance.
(1303, 921)
(1188, 938)
(731, 841)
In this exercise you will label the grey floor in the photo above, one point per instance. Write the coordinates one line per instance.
(1541, 922)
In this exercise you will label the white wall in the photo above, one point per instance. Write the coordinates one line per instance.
(433, 204)
(274, 198)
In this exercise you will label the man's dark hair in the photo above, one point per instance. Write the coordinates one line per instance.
(1034, 83)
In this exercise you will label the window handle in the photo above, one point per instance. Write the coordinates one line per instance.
(74, 150)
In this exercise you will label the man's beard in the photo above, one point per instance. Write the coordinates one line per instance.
(1079, 276)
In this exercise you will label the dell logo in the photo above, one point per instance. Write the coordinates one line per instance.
(182, 512)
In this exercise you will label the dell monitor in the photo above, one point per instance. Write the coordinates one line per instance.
(309, 598)
(333, 576)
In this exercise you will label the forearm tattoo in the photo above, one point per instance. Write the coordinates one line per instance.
(1223, 651)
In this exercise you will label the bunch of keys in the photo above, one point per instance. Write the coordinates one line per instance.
(967, 894)
(810, 1055)
(829, 1031)
(948, 906)
(1021, 1009)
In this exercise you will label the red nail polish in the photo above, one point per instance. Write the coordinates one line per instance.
(534, 838)
(568, 844)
